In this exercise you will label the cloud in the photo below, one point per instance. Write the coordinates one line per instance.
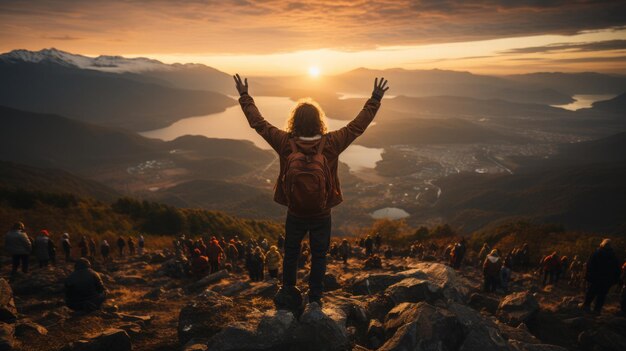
(605, 45)
(62, 37)
(246, 26)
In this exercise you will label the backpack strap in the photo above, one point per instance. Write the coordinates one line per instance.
(320, 148)
(294, 148)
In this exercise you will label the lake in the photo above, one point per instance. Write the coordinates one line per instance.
(390, 213)
(232, 124)
(584, 101)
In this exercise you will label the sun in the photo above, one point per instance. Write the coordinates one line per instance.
(314, 71)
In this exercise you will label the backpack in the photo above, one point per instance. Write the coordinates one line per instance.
(307, 180)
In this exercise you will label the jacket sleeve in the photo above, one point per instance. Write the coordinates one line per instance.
(274, 136)
(342, 138)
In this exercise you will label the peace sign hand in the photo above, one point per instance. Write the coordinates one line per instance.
(380, 87)
(242, 87)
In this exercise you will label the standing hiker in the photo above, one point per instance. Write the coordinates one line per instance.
(308, 183)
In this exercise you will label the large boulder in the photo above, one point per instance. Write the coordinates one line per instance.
(8, 312)
(483, 302)
(109, 340)
(427, 328)
(481, 333)
(517, 308)
(324, 332)
(368, 284)
(42, 281)
(602, 339)
(375, 336)
(451, 285)
(208, 314)
(413, 290)
(7, 336)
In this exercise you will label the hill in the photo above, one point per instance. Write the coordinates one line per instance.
(574, 83)
(432, 131)
(122, 100)
(617, 105)
(15, 178)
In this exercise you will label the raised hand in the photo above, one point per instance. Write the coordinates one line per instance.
(380, 87)
(242, 87)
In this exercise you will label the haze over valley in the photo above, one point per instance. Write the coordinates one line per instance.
(175, 133)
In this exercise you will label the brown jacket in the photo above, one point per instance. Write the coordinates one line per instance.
(336, 142)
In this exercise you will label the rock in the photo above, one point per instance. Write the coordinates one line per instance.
(482, 302)
(331, 283)
(207, 314)
(134, 318)
(157, 257)
(602, 339)
(521, 346)
(413, 290)
(480, 332)
(322, 331)
(427, 328)
(231, 288)
(173, 268)
(41, 281)
(154, 294)
(208, 280)
(195, 345)
(109, 340)
(570, 305)
(375, 336)
(130, 279)
(8, 312)
(378, 306)
(7, 336)
(448, 280)
(26, 326)
(517, 308)
(133, 329)
(518, 334)
(264, 289)
(369, 284)
(274, 330)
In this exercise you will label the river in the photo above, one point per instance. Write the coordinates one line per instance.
(231, 124)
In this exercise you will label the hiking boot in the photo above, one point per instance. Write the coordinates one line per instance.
(288, 298)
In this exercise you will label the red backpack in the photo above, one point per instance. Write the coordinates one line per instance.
(307, 180)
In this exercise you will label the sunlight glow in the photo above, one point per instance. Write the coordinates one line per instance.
(314, 71)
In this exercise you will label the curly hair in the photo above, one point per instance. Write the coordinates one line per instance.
(307, 119)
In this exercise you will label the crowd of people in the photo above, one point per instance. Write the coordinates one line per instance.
(262, 260)
(202, 256)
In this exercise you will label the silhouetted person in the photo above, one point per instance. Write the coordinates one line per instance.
(491, 271)
(458, 253)
(281, 243)
(307, 152)
(141, 244)
(369, 245)
(52, 251)
(378, 241)
(233, 255)
(344, 250)
(272, 261)
(18, 245)
(131, 246)
(41, 248)
(199, 264)
(551, 265)
(92, 247)
(214, 252)
(67, 246)
(121, 243)
(84, 247)
(105, 250)
(84, 290)
(603, 270)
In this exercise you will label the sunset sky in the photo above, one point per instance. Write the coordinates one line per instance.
(284, 37)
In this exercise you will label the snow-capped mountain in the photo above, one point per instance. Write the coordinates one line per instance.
(114, 64)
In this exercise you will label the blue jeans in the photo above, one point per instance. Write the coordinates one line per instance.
(319, 240)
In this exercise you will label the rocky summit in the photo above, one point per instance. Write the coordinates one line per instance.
(405, 305)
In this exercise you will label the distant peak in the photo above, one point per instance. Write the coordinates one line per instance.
(115, 64)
